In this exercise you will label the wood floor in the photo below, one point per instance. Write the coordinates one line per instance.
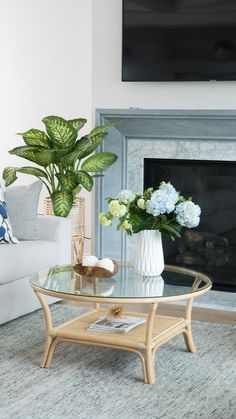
(199, 313)
(176, 310)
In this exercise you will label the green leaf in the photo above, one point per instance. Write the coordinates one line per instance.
(61, 132)
(99, 162)
(35, 154)
(137, 219)
(78, 123)
(46, 157)
(68, 182)
(85, 180)
(101, 129)
(61, 152)
(69, 159)
(62, 202)
(79, 152)
(26, 152)
(35, 137)
(88, 145)
(76, 190)
(9, 175)
(83, 148)
(34, 171)
(167, 228)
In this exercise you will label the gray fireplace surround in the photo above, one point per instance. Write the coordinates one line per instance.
(143, 133)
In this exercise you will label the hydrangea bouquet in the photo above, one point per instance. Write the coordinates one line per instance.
(163, 209)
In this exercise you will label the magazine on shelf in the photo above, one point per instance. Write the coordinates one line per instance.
(122, 325)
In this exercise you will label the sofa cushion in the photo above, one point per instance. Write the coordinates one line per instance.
(26, 258)
(22, 203)
(6, 234)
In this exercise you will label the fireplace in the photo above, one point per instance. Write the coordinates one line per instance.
(211, 247)
(204, 143)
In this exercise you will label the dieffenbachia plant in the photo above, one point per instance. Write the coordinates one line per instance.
(63, 159)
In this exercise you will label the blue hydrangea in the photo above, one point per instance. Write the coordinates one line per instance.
(163, 200)
(169, 190)
(188, 214)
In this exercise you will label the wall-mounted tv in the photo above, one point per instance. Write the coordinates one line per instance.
(179, 40)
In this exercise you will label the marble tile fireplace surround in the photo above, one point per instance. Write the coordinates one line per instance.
(164, 134)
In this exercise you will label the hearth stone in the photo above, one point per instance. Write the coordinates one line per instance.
(168, 134)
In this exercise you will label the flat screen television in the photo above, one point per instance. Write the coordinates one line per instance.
(179, 40)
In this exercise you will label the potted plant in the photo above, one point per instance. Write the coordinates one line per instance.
(65, 161)
(149, 214)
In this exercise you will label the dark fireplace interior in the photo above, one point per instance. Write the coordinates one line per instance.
(211, 247)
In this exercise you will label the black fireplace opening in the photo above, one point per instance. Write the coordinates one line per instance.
(211, 247)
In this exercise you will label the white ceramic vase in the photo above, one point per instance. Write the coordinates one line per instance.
(149, 286)
(149, 260)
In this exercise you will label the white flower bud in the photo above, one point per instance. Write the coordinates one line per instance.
(103, 219)
(126, 225)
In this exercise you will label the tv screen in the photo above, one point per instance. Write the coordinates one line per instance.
(179, 40)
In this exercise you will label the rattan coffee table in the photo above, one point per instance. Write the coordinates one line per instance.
(126, 287)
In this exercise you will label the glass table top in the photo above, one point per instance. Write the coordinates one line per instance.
(127, 283)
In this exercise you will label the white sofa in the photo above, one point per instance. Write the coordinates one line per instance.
(19, 261)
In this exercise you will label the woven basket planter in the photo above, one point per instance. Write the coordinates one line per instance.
(77, 216)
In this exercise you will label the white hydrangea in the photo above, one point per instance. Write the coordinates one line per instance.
(188, 214)
(117, 209)
(141, 203)
(126, 196)
(163, 200)
(169, 189)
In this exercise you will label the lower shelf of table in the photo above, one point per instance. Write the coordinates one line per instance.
(164, 328)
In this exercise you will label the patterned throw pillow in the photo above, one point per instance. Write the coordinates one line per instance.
(6, 235)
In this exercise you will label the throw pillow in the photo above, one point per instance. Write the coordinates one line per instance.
(6, 235)
(22, 203)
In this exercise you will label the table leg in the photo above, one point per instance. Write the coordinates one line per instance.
(150, 366)
(51, 341)
(54, 343)
(187, 332)
(96, 291)
(188, 337)
(149, 351)
(48, 344)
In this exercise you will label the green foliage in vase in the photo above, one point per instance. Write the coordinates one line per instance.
(65, 164)
(163, 209)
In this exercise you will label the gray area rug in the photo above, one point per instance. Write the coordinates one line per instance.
(94, 383)
(218, 300)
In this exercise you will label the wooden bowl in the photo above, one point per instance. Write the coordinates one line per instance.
(96, 271)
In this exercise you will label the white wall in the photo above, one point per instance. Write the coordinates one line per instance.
(109, 92)
(45, 50)
(50, 52)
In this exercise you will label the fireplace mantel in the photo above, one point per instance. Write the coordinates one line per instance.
(139, 133)
(183, 124)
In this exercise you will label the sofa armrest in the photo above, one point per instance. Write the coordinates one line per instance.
(57, 229)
